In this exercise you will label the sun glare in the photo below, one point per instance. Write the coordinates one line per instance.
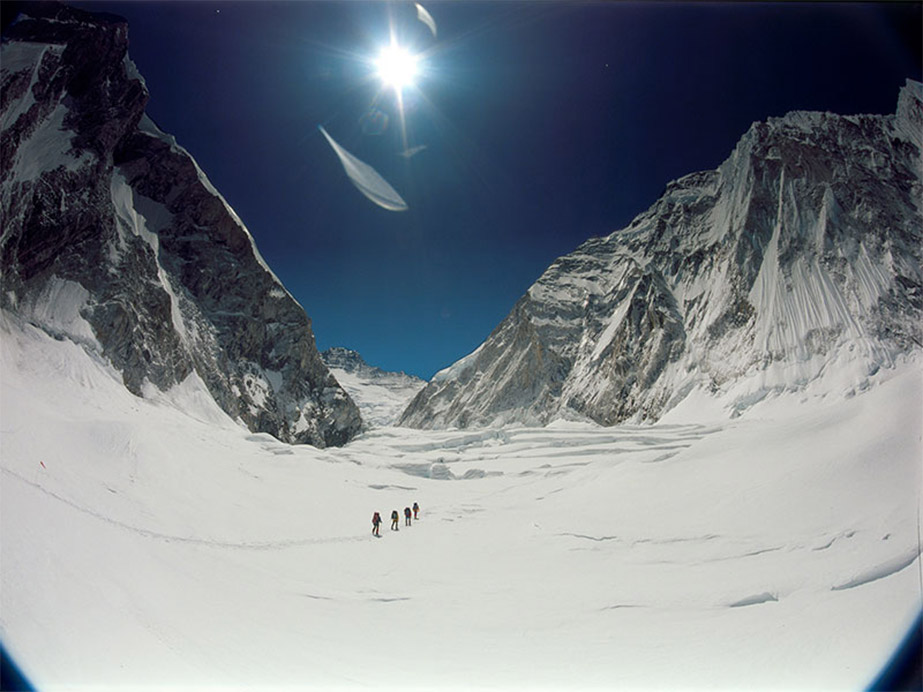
(396, 67)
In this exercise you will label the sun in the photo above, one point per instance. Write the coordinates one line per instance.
(397, 67)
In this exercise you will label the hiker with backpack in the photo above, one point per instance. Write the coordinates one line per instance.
(376, 522)
(416, 510)
(406, 516)
(394, 520)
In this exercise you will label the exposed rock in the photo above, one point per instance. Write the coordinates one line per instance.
(107, 218)
(798, 258)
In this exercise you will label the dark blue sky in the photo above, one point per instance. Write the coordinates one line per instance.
(545, 124)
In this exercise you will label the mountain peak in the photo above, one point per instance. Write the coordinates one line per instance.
(797, 262)
(43, 20)
(114, 238)
(909, 118)
(344, 358)
(380, 395)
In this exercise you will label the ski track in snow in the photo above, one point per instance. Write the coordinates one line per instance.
(192, 540)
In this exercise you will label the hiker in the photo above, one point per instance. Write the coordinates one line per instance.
(406, 516)
(416, 510)
(394, 520)
(376, 522)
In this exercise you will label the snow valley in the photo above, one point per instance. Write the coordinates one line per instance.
(155, 541)
(689, 457)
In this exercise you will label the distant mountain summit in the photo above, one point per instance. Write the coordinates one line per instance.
(114, 238)
(797, 262)
(349, 361)
(381, 395)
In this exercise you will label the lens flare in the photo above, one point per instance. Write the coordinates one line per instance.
(366, 179)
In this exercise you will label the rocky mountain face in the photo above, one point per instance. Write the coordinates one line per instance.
(381, 395)
(797, 261)
(114, 238)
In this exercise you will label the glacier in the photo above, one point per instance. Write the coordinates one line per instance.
(155, 542)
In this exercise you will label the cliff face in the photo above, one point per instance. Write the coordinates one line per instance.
(381, 395)
(800, 256)
(114, 238)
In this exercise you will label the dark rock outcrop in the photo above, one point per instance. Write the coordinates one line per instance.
(113, 237)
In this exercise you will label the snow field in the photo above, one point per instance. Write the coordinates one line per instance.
(153, 542)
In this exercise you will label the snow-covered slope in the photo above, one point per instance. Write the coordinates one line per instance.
(113, 238)
(380, 395)
(154, 543)
(798, 258)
